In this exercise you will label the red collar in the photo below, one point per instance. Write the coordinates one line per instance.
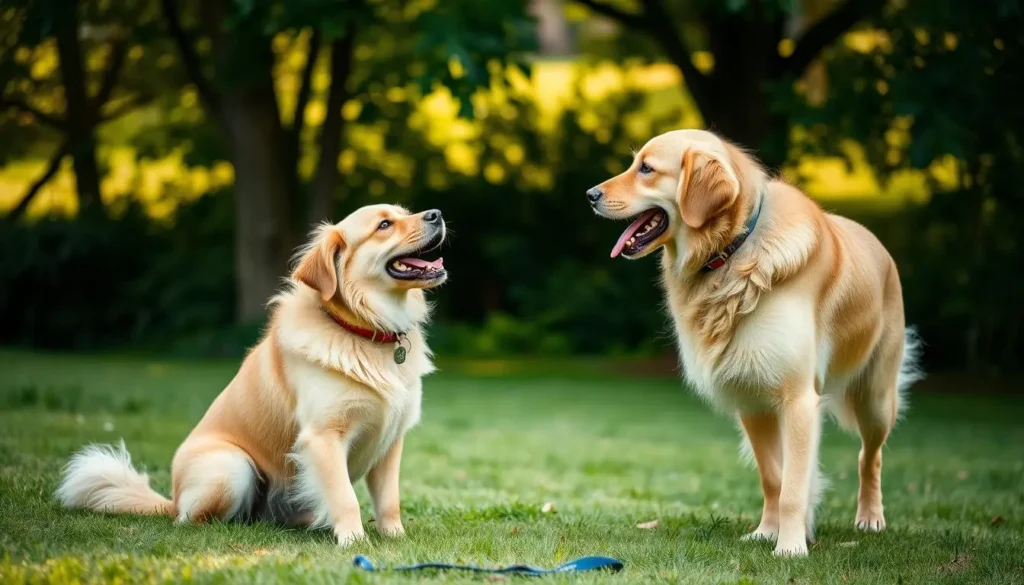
(373, 335)
(718, 260)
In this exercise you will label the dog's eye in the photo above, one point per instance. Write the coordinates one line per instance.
(645, 168)
(384, 225)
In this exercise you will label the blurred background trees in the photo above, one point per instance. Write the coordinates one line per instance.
(163, 157)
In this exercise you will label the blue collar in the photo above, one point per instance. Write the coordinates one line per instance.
(718, 260)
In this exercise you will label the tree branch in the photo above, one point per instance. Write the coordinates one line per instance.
(625, 18)
(23, 107)
(190, 59)
(326, 176)
(126, 106)
(306, 82)
(656, 19)
(827, 30)
(39, 183)
(293, 133)
(118, 51)
(660, 22)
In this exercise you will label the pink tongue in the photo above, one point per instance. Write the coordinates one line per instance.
(633, 227)
(423, 264)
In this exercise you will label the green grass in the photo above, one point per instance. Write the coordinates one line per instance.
(608, 451)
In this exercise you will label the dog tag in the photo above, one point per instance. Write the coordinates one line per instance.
(399, 355)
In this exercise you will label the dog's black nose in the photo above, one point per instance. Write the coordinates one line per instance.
(594, 195)
(432, 216)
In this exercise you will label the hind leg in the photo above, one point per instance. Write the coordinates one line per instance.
(875, 406)
(213, 480)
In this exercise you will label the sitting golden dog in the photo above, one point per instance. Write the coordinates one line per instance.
(324, 399)
(780, 309)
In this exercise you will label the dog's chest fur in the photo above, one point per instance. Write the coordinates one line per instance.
(372, 419)
(764, 349)
(361, 393)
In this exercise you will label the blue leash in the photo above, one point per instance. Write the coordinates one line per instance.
(577, 566)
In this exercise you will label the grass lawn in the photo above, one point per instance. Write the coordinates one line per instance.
(496, 445)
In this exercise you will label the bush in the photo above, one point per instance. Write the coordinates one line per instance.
(96, 282)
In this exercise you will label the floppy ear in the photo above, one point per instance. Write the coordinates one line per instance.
(706, 188)
(319, 268)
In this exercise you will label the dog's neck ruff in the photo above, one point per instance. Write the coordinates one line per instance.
(373, 335)
(719, 259)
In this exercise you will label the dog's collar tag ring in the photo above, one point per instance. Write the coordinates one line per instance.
(400, 352)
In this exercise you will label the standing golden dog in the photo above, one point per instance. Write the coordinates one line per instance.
(323, 400)
(780, 309)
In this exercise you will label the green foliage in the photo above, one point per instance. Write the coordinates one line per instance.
(945, 82)
(101, 281)
(529, 263)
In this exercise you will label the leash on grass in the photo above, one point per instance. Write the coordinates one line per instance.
(577, 566)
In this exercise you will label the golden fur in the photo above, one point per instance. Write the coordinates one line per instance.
(807, 314)
(313, 407)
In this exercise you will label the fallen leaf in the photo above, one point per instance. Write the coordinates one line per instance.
(649, 525)
(261, 552)
(548, 507)
(495, 578)
(960, 562)
(962, 475)
(998, 520)
(515, 530)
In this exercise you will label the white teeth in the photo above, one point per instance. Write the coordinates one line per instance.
(397, 265)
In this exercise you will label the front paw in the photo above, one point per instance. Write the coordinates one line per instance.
(348, 535)
(870, 518)
(791, 550)
(763, 532)
(391, 529)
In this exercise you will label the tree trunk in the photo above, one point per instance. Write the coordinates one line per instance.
(262, 219)
(241, 99)
(80, 117)
(749, 122)
(553, 33)
(258, 146)
(326, 178)
(739, 107)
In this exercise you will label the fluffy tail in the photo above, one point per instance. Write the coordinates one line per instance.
(910, 368)
(101, 478)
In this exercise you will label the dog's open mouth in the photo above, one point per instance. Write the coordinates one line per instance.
(644, 229)
(414, 265)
